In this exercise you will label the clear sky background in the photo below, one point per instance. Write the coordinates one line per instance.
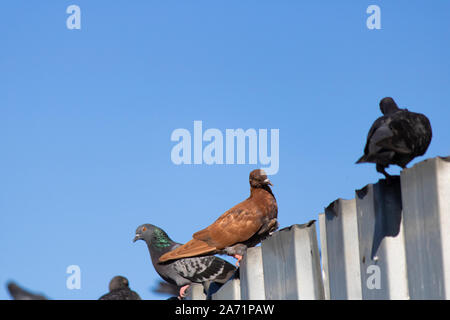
(86, 118)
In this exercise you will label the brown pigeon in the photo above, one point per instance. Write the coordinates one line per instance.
(243, 226)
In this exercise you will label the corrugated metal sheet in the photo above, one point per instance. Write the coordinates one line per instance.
(342, 250)
(252, 275)
(426, 205)
(230, 291)
(391, 242)
(291, 264)
(324, 255)
(196, 292)
(381, 241)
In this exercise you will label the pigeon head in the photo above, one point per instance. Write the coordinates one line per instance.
(388, 105)
(258, 179)
(153, 235)
(118, 282)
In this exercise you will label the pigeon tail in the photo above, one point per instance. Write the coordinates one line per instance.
(190, 249)
(362, 159)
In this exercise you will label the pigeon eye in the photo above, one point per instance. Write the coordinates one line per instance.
(144, 229)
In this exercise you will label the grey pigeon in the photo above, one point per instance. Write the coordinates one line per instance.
(119, 290)
(182, 272)
(18, 293)
(396, 138)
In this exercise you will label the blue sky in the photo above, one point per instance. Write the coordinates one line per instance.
(86, 118)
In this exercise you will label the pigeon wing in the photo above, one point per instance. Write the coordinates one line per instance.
(238, 224)
(412, 132)
(18, 293)
(201, 269)
(378, 131)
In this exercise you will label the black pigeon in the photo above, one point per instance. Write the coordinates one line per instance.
(396, 138)
(18, 293)
(182, 272)
(119, 290)
(166, 288)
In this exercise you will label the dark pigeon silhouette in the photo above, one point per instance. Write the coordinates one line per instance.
(396, 138)
(243, 226)
(119, 290)
(182, 272)
(166, 288)
(18, 293)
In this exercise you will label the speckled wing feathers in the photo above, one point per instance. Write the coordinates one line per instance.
(202, 269)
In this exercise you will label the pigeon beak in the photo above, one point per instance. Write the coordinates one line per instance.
(137, 237)
(267, 181)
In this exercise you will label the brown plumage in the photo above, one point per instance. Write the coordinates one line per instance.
(244, 225)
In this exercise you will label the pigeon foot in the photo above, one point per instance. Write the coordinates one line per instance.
(239, 258)
(382, 169)
(183, 291)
